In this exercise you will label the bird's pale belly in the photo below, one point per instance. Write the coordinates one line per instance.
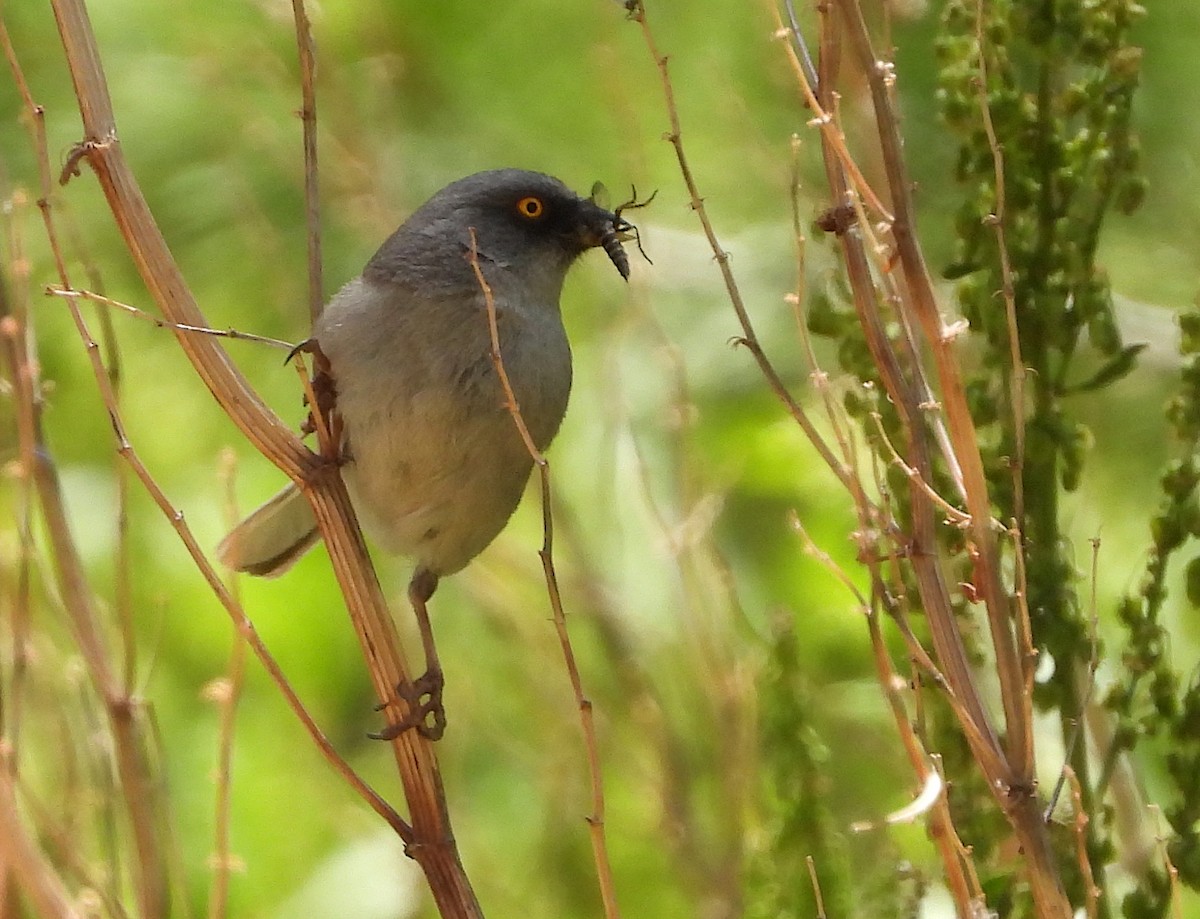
(443, 496)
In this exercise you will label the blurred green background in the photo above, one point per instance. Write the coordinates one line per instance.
(674, 474)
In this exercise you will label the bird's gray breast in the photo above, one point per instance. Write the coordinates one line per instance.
(436, 463)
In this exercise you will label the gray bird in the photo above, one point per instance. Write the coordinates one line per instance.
(433, 460)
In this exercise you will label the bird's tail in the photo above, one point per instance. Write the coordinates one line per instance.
(272, 539)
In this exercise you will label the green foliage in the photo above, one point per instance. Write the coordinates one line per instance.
(1147, 700)
(675, 475)
(795, 793)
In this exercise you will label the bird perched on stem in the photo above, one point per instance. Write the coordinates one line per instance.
(432, 458)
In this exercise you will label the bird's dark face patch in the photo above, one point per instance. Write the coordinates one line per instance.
(541, 212)
(525, 221)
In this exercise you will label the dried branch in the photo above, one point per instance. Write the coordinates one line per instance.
(1008, 764)
(1017, 370)
(749, 338)
(595, 819)
(1010, 666)
(432, 844)
(308, 116)
(1091, 892)
(226, 692)
(816, 886)
(232, 334)
(240, 620)
(47, 893)
(139, 792)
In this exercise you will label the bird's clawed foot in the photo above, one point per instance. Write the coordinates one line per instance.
(423, 697)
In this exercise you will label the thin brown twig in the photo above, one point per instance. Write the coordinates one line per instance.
(122, 553)
(137, 313)
(25, 395)
(595, 820)
(1010, 666)
(1161, 839)
(966, 854)
(958, 868)
(59, 838)
(941, 824)
(433, 844)
(1017, 372)
(1007, 291)
(921, 543)
(138, 791)
(953, 514)
(226, 693)
(894, 294)
(977, 725)
(1091, 892)
(241, 622)
(832, 132)
(817, 376)
(1006, 765)
(816, 886)
(324, 428)
(47, 893)
(308, 117)
(749, 337)
(141, 820)
(37, 126)
(1080, 719)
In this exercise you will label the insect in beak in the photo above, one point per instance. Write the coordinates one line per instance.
(618, 230)
(611, 238)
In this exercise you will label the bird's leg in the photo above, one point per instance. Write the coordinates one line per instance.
(424, 694)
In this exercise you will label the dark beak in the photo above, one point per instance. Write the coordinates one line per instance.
(605, 229)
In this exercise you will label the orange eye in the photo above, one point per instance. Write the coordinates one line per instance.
(530, 207)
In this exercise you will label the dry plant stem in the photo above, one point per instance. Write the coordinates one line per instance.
(922, 550)
(137, 787)
(60, 840)
(1009, 664)
(25, 395)
(325, 438)
(1091, 892)
(105, 381)
(227, 700)
(941, 826)
(46, 893)
(595, 819)
(233, 334)
(830, 130)
(834, 138)
(816, 886)
(866, 511)
(1009, 770)
(1017, 371)
(1172, 872)
(222, 860)
(433, 843)
(37, 122)
(749, 338)
(308, 116)
(23, 383)
(1083, 693)
(240, 620)
(953, 514)
(27, 398)
(139, 791)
